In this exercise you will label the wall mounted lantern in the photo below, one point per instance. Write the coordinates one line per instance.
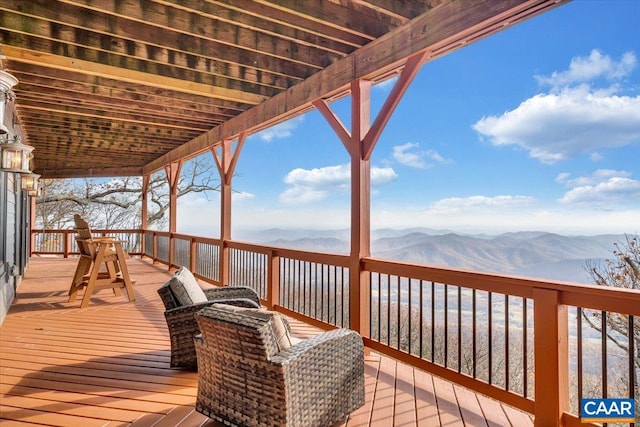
(15, 156)
(29, 181)
(35, 193)
(7, 81)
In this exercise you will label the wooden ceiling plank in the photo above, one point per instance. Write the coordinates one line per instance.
(64, 129)
(139, 146)
(156, 61)
(105, 172)
(331, 15)
(279, 17)
(132, 76)
(262, 26)
(154, 21)
(439, 28)
(114, 106)
(404, 10)
(131, 118)
(51, 118)
(56, 79)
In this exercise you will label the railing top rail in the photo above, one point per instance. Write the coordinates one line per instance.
(576, 294)
(309, 256)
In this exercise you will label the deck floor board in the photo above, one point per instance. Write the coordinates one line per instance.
(108, 365)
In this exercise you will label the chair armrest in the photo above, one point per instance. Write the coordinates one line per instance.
(232, 292)
(188, 312)
(103, 239)
(345, 343)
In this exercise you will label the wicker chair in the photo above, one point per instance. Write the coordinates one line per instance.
(246, 377)
(181, 320)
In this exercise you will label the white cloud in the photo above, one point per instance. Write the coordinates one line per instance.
(281, 130)
(479, 203)
(409, 154)
(585, 69)
(554, 127)
(242, 195)
(573, 118)
(603, 188)
(387, 85)
(597, 177)
(312, 185)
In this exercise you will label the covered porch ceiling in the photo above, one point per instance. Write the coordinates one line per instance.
(124, 87)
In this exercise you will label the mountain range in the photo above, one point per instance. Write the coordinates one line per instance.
(533, 254)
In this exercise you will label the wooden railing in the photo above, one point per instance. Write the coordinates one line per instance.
(526, 342)
(62, 242)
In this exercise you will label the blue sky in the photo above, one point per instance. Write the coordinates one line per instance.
(534, 128)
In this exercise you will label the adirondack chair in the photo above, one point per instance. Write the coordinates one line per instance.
(94, 253)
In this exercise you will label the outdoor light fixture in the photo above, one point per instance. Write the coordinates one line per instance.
(7, 81)
(35, 193)
(29, 181)
(15, 156)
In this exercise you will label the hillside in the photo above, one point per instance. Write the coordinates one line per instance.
(534, 254)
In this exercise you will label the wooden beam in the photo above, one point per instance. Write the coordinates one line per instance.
(51, 78)
(441, 29)
(409, 71)
(132, 76)
(147, 41)
(246, 15)
(39, 95)
(89, 172)
(170, 22)
(334, 121)
(281, 17)
(336, 16)
(401, 10)
(132, 116)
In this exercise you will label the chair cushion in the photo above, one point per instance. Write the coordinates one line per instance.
(185, 287)
(280, 330)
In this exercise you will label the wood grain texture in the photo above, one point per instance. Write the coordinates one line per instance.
(108, 365)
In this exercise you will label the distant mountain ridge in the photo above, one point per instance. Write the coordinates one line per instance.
(534, 254)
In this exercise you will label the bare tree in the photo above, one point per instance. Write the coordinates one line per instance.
(621, 271)
(116, 203)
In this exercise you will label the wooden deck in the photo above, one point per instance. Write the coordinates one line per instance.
(108, 365)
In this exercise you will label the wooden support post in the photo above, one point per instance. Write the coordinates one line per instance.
(193, 255)
(173, 173)
(273, 281)
(551, 350)
(144, 221)
(32, 223)
(359, 290)
(226, 159)
(67, 244)
(154, 251)
(360, 144)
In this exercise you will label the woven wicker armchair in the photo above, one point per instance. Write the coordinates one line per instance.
(247, 378)
(181, 320)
